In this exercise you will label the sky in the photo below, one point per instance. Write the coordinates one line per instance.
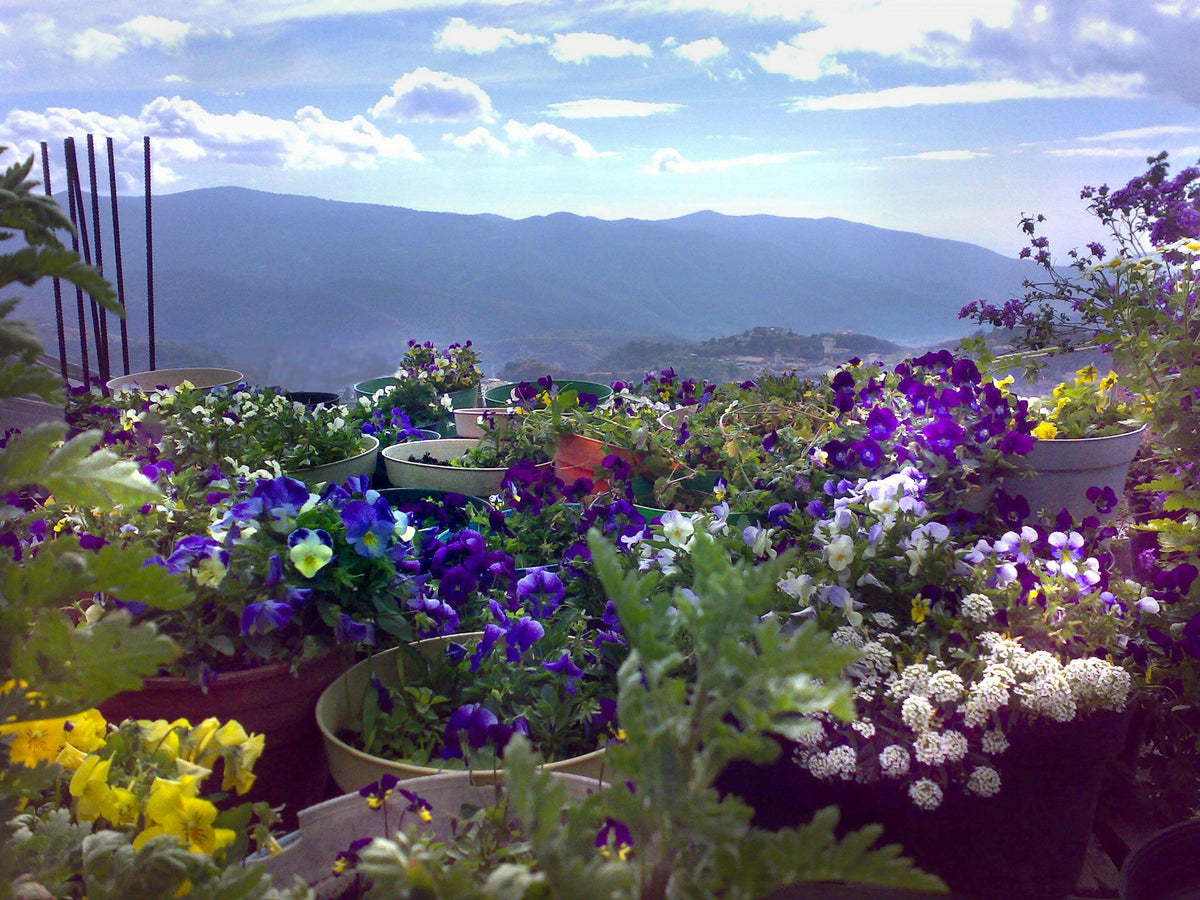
(951, 118)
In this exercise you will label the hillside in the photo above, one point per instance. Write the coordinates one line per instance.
(317, 293)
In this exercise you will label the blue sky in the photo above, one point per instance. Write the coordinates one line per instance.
(950, 118)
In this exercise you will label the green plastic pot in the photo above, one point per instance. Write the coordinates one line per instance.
(501, 395)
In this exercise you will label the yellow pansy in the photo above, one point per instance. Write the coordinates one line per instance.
(238, 765)
(121, 807)
(88, 730)
(70, 757)
(1087, 375)
(1045, 431)
(89, 786)
(35, 741)
(920, 609)
(197, 745)
(162, 735)
(191, 820)
(1108, 382)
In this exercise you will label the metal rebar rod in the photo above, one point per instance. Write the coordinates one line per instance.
(149, 253)
(120, 274)
(98, 311)
(58, 303)
(72, 186)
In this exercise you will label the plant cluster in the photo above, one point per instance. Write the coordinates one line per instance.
(665, 831)
(1089, 406)
(242, 429)
(454, 369)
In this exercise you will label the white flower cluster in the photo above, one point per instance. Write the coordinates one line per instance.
(840, 762)
(977, 608)
(935, 748)
(926, 794)
(984, 781)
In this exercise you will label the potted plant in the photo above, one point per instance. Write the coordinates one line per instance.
(241, 429)
(989, 666)
(453, 373)
(1086, 439)
(1132, 292)
(705, 680)
(540, 667)
(285, 582)
(470, 466)
(52, 665)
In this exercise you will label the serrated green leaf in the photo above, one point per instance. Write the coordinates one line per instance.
(77, 475)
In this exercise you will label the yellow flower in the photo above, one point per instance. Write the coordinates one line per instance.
(121, 807)
(88, 730)
(920, 609)
(162, 735)
(35, 741)
(1108, 382)
(70, 757)
(1045, 431)
(238, 765)
(89, 787)
(173, 808)
(1087, 375)
(195, 746)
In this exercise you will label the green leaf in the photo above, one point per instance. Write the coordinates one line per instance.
(77, 475)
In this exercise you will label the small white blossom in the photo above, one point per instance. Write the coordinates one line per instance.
(1097, 683)
(894, 761)
(984, 781)
(917, 713)
(994, 742)
(944, 687)
(925, 794)
(865, 727)
(977, 608)
(1050, 696)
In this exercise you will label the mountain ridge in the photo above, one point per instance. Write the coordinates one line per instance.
(311, 291)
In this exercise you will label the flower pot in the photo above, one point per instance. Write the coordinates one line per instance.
(502, 395)
(267, 700)
(1165, 866)
(468, 421)
(337, 472)
(406, 473)
(1028, 841)
(328, 828)
(369, 387)
(1062, 471)
(199, 377)
(341, 703)
(379, 477)
(576, 456)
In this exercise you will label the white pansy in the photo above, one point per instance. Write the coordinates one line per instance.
(839, 553)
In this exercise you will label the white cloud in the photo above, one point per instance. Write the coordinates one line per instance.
(95, 46)
(1140, 153)
(458, 35)
(603, 108)
(1114, 86)
(582, 46)
(427, 96)
(152, 31)
(668, 160)
(702, 52)
(1108, 35)
(932, 34)
(176, 79)
(478, 140)
(946, 155)
(1139, 134)
(549, 137)
(183, 132)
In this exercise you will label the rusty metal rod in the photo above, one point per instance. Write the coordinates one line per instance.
(120, 274)
(58, 301)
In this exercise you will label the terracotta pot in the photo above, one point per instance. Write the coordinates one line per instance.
(267, 700)
(579, 457)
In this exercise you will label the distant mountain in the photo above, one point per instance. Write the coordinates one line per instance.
(317, 293)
